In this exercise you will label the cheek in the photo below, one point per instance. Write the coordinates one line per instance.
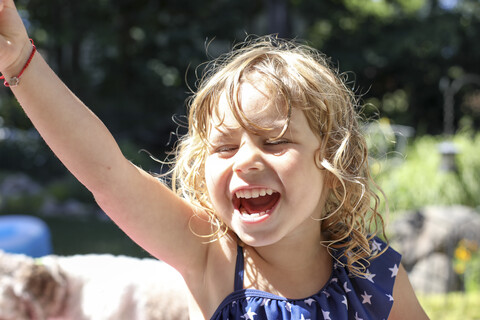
(302, 176)
(215, 179)
(209, 176)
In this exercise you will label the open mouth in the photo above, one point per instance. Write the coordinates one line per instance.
(255, 202)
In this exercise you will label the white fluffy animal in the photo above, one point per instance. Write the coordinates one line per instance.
(90, 287)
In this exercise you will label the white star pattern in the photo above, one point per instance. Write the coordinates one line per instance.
(326, 293)
(309, 301)
(334, 280)
(303, 318)
(249, 315)
(346, 288)
(394, 270)
(326, 315)
(288, 306)
(345, 301)
(265, 301)
(357, 317)
(390, 297)
(376, 246)
(366, 298)
(370, 276)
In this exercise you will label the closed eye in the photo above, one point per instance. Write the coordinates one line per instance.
(277, 146)
(276, 142)
(225, 151)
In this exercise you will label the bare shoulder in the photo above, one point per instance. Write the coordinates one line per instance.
(212, 283)
(406, 305)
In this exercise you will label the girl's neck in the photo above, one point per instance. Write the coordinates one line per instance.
(289, 269)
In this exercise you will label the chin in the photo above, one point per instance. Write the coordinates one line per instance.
(257, 240)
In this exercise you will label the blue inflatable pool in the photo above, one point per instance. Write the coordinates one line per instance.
(25, 234)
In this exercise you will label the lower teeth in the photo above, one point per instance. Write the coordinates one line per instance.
(252, 215)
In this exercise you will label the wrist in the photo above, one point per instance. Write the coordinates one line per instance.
(12, 74)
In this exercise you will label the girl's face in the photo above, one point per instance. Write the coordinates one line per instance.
(264, 189)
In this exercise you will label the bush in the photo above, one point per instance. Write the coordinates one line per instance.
(418, 181)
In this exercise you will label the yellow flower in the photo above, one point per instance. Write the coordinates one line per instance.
(462, 253)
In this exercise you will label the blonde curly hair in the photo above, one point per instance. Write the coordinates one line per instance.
(303, 78)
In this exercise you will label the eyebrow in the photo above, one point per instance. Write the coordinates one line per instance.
(220, 132)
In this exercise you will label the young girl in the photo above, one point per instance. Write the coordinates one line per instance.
(271, 215)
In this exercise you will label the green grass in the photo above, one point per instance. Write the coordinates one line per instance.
(452, 306)
(72, 236)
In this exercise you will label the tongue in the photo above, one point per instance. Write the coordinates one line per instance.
(260, 204)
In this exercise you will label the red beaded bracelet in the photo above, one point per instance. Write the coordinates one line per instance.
(14, 81)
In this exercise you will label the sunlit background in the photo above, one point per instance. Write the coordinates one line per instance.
(414, 63)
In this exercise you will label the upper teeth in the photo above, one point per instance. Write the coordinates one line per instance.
(253, 193)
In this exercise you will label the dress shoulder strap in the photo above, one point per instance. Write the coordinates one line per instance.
(238, 285)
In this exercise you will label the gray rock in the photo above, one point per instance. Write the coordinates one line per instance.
(417, 234)
(434, 274)
(427, 239)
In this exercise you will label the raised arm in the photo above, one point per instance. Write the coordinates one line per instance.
(145, 209)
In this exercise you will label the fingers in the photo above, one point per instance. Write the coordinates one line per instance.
(7, 4)
(14, 42)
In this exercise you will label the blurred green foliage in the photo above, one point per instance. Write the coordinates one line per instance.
(466, 263)
(85, 236)
(472, 273)
(22, 204)
(415, 179)
(453, 305)
(134, 62)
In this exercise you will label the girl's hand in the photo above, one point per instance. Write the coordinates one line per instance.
(15, 46)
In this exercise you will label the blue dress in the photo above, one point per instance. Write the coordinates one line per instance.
(342, 297)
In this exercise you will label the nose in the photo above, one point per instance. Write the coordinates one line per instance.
(248, 159)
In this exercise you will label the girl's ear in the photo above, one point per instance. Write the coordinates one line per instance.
(318, 158)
